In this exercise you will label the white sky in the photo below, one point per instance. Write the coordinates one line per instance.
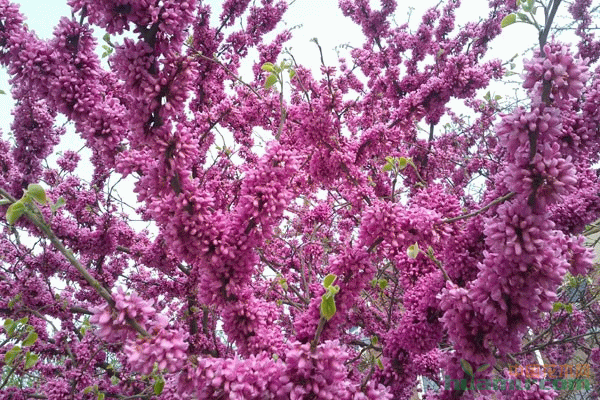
(319, 19)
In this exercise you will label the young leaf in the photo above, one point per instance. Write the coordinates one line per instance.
(8, 325)
(100, 395)
(271, 80)
(283, 283)
(159, 386)
(413, 251)
(269, 67)
(31, 339)
(88, 389)
(508, 20)
(30, 360)
(10, 355)
(466, 367)
(328, 281)
(60, 202)
(557, 306)
(14, 212)
(402, 163)
(569, 308)
(292, 73)
(388, 166)
(327, 306)
(37, 192)
(483, 367)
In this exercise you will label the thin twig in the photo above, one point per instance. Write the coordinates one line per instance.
(315, 342)
(234, 76)
(481, 210)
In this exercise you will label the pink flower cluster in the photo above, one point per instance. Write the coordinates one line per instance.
(166, 349)
(563, 71)
(113, 324)
(242, 235)
(299, 374)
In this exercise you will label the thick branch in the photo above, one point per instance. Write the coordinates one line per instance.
(58, 245)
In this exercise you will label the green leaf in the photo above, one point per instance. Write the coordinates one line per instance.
(413, 251)
(37, 192)
(269, 67)
(508, 20)
(60, 202)
(2, 91)
(374, 340)
(483, 367)
(30, 360)
(523, 17)
(383, 283)
(557, 306)
(106, 37)
(159, 386)
(283, 283)
(10, 355)
(388, 166)
(30, 340)
(88, 389)
(466, 367)
(333, 289)
(14, 212)
(100, 395)
(402, 163)
(328, 281)
(271, 80)
(379, 363)
(13, 301)
(8, 325)
(569, 308)
(292, 73)
(327, 306)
